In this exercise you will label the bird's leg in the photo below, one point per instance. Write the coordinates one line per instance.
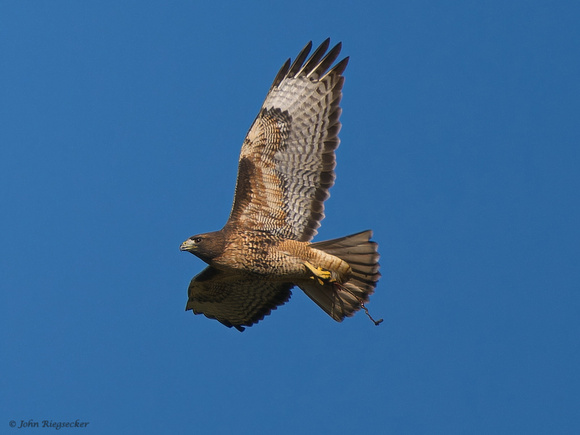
(319, 273)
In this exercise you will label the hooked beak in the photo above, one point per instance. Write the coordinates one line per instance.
(188, 245)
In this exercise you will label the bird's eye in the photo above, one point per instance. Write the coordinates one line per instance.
(197, 239)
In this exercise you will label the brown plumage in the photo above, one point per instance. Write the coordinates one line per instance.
(285, 170)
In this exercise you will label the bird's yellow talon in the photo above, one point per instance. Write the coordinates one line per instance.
(319, 274)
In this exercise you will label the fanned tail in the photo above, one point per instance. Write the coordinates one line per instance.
(343, 300)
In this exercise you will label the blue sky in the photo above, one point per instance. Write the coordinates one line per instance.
(121, 128)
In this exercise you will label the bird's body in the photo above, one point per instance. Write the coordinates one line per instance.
(274, 258)
(286, 168)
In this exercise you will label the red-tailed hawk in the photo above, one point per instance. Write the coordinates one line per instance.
(285, 170)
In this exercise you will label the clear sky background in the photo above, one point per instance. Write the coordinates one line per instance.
(120, 128)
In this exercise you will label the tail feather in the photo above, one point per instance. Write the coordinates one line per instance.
(343, 300)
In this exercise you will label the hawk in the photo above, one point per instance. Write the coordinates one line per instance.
(286, 168)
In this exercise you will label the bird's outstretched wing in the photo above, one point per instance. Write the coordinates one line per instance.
(287, 160)
(235, 299)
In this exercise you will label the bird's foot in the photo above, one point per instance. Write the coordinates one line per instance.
(319, 273)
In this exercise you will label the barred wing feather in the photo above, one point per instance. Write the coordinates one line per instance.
(287, 161)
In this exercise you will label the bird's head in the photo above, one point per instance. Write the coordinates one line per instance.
(205, 246)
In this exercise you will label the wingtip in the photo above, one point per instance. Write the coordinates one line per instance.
(339, 68)
(281, 74)
(299, 60)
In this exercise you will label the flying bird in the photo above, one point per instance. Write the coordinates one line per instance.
(285, 170)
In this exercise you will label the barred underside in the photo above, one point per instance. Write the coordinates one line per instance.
(235, 299)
